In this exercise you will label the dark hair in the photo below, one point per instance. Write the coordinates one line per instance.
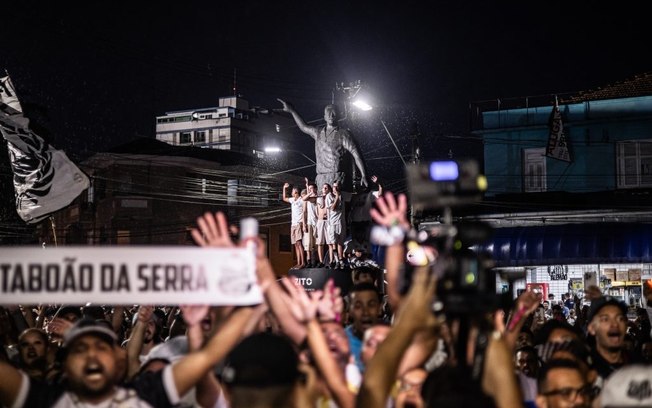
(543, 333)
(366, 286)
(551, 365)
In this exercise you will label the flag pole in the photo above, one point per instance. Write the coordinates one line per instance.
(54, 230)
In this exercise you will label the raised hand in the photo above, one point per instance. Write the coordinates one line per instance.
(193, 314)
(145, 313)
(213, 231)
(286, 106)
(374, 179)
(302, 306)
(331, 305)
(390, 212)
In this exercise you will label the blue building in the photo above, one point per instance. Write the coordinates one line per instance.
(586, 216)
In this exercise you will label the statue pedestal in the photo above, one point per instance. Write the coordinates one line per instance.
(315, 278)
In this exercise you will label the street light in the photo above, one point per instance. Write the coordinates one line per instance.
(279, 150)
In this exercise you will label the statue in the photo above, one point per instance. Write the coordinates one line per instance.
(331, 144)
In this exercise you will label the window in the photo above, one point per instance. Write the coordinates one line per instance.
(184, 137)
(200, 136)
(634, 161)
(534, 170)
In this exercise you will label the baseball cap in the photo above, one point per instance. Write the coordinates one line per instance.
(88, 326)
(170, 350)
(599, 303)
(628, 386)
(260, 360)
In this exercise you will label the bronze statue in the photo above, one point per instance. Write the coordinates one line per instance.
(331, 144)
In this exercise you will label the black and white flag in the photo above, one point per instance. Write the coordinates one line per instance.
(45, 180)
(557, 140)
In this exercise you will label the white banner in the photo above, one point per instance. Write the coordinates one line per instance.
(128, 276)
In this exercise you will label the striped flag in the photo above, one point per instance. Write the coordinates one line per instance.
(45, 180)
(557, 141)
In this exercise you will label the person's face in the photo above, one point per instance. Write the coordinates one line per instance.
(560, 379)
(373, 336)
(295, 192)
(364, 310)
(150, 330)
(409, 393)
(90, 367)
(524, 339)
(609, 327)
(330, 115)
(558, 314)
(32, 348)
(312, 189)
(546, 305)
(337, 341)
(526, 362)
(326, 189)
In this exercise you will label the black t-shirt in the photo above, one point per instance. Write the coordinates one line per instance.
(452, 387)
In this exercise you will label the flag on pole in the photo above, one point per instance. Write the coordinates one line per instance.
(557, 141)
(45, 180)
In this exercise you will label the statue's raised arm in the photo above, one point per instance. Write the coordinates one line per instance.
(312, 131)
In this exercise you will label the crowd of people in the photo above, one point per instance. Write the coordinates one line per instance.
(373, 346)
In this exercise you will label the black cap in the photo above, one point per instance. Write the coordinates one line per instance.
(260, 360)
(599, 303)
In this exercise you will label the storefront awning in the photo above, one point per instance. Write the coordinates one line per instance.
(571, 244)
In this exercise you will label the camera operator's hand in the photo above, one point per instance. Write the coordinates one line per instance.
(390, 212)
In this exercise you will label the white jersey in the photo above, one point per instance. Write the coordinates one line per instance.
(297, 210)
(311, 217)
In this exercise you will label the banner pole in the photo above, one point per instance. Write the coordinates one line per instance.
(54, 230)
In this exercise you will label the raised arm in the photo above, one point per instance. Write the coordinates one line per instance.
(285, 192)
(391, 214)
(305, 128)
(415, 315)
(374, 179)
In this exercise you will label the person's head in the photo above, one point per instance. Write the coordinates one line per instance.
(70, 313)
(558, 313)
(337, 342)
(262, 368)
(373, 336)
(525, 338)
(629, 386)
(556, 331)
(364, 274)
(409, 390)
(526, 361)
(364, 307)
(326, 189)
(33, 348)
(608, 323)
(561, 384)
(546, 305)
(90, 360)
(312, 188)
(330, 114)
(296, 192)
(551, 297)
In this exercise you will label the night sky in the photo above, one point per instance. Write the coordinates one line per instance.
(95, 75)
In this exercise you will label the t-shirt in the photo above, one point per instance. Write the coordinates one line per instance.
(151, 390)
(355, 344)
(297, 210)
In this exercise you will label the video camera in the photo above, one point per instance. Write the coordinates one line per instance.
(466, 280)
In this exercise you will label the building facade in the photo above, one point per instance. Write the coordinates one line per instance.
(579, 221)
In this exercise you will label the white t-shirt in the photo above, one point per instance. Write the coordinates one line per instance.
(297, 210)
